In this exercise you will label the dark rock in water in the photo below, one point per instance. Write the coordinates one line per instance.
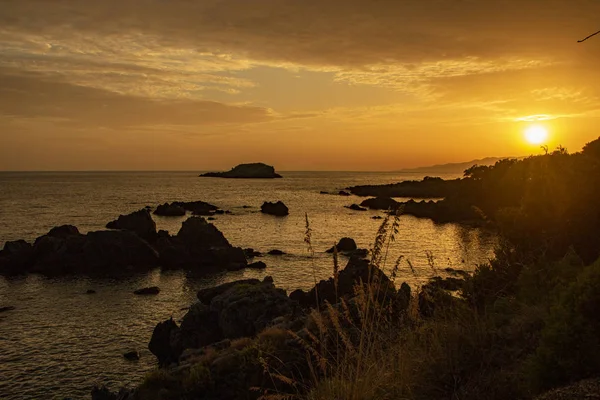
(344, 245)
(381, 203)
(250, 253)
(246, 171)
(16, 257)
(210, 218)
(170, 210)
(132, 355)
(7, 308)
(197, 207)
(90, 291)
(278, 209)
(356, 207)
(429, 187)
(165, 343)
(206, 295)
(275, 253)
(148, 291)
(377, 217)
(200, 247)
(140, 222)
(219, 212)
(257, 265)
(323, 192)
(344, 193)
(99, 252)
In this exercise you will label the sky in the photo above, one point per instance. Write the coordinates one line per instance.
(299, 84)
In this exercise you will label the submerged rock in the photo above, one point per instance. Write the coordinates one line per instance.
(344, 193)
(246, 171)
(279, 209)
(198, 207)
(276, 252)
(356, 207)
(90, 291)
(132, 355)
(148, 291)
(140, 222)
(257, 265)
(7, 308)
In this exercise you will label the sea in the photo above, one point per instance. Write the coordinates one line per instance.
(59, 342)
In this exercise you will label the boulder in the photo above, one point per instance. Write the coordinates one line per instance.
(206, 295)
(170, 210)
(250, 253)
(344, 245)
(246, 171)
(154, 290)
(132, 355)
(344, 193)
(278, 209)
(140, 222)
(381, 203)
(199, 327)
(198, 207)
(16, 257)
(63, 231)
(276, 253)
(257, 265)
(165, 343)
(356, 207)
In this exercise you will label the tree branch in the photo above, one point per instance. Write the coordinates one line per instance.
(586, 38)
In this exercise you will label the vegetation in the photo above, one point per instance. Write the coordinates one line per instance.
(523, 323)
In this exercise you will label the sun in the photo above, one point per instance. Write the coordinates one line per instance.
(536, 134)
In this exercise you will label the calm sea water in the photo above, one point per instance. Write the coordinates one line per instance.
(58, 341)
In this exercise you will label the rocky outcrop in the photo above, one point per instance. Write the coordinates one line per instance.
(344, 245)
(140, 222)
(198, 207)
(246, 171)
(257, 265)
(65, 251)
(169, 210)
(199, 247)
(429, 187)
(233, 310)
(381, 203)
(279, 209)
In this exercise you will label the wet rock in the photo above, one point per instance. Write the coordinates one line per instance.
(323, 192)
(278, 209)
(7, 308)
(165, 343)
(132, 355)
(356, 207)
(276, 252)
(344, 193)
(344, 245)
(63, 231)
(381, 203)
(170, 210)
(140, 222)
(16, 257)
(377, 217)
(257, 265)
(200, 208)
(246, 171)
(154, 290)
(90, 291)
(250, 253)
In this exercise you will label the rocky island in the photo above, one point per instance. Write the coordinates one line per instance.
(246, 171)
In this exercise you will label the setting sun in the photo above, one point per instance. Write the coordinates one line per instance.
(536, 134)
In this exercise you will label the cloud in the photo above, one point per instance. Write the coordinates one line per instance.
(30, 96)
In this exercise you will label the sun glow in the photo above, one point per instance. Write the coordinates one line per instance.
(536, 134)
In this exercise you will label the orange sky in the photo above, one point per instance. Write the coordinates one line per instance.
(302, 85)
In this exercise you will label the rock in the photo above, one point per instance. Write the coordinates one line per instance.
(148, 291)
(102, 393)
(16, 257)
(219, 212)
(199, 327)
(211, 219)
(99, 252)
(165, 343)
(323, 192)
(344, 245)
(276, 253)
(356, 207)
(246, 206)
(257, 265)
(7, 308)
(90, 291)
(250, 253)
(132, 355)
(140, 222)
(63, 231)
(377, 217)
(344, 193)
(200, 208)
(381, 203)
(246, 171)
(169, 210)
(278, 209)
(206, 295)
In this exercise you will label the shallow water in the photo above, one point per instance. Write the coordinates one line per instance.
(59, 341)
